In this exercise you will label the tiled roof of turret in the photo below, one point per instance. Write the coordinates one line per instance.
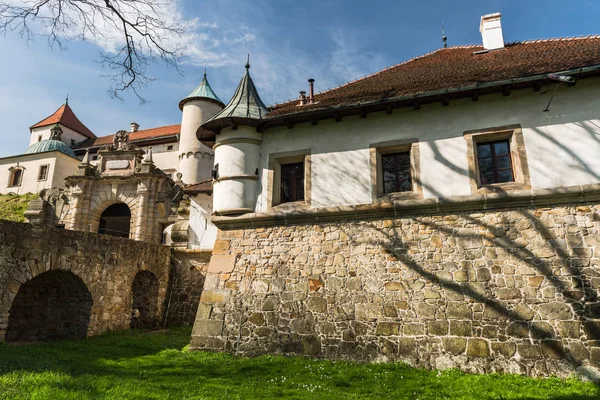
(203, 91)
(66, 117)
(246, 106)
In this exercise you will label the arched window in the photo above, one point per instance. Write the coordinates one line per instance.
(15, 176)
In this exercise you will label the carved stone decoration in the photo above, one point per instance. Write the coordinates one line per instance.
(121, 141)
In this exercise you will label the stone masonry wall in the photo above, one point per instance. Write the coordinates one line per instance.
(188, 270)
(498, 291)
(106, 265)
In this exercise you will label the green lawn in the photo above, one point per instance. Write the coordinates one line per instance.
(137, 365)
(12, 206)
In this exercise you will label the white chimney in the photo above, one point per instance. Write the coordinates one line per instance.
(491, 31)
(134, 127)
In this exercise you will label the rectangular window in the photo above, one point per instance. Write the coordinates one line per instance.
(170, 147)
(497, 159)
(292, 182)
(73, 142)
(396, 172)
(94, 158)
(39, 138)
(494, 162)
(15, 177)
(43, 173)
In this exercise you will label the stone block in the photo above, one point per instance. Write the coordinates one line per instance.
(314, 284)
(257, 319)
(507, 349)
(215, 296)
(317, 304)
(477, 348)
(592, 330)
(221, 263)
(203, 311)
(555, 311)
(407, 347)
(393, 286)
(221, 247)
(437, 328)
(455, 346)
(552, 349)
(569, 329)
(413, 329)
(387, 328)
(460, 328)
(207, 328)
(541, 330)
(529, 351)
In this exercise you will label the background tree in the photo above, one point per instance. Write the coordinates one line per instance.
(133, 33)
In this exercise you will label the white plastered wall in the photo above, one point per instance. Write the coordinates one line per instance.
(202, 233)
(67, 135)
(59, 167)
(562, 145)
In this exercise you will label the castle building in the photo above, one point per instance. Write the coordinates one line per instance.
(440, 212)
(443, 211)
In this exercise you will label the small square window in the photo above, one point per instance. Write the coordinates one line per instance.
(39, 138)
(497, 159)
(73, 142)
(292, 182)
(396, 172)
(43, 173)
(170, 147)
(94, 158)
(289, 180)
(494, 162)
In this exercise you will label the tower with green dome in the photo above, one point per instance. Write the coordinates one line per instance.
(196, 159)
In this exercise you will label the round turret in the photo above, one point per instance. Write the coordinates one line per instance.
(196, 159)
(237, 150)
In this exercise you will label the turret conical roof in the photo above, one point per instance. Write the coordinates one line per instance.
(245, 108)
(203, 91)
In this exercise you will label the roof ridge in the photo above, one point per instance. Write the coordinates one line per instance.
(51, 115)
(150, 129)
(467, 46)
(386, 69)
(556, 39)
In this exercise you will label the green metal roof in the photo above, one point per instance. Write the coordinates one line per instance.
(50, 145)
(246, 105)
(203, 91)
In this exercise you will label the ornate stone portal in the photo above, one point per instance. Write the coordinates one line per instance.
(124, 174)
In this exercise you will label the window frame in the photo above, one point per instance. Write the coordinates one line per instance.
(11, 173)
(276, 160)
(376, 153)
(520, 167)
(45, 178)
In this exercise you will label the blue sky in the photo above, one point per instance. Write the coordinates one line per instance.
(333, 41)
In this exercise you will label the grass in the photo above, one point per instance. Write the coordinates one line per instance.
(12, 206)
(138, 365)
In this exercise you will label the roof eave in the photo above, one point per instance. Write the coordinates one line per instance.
(417, 99)
(187, 99)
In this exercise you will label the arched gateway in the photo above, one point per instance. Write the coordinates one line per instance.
(115, 220)
(53, 305)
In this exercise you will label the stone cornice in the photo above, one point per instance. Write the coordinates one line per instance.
(404, 208)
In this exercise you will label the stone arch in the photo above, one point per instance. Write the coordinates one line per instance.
(54, 305)
(97, 207)
(145, 301)
(115, 220)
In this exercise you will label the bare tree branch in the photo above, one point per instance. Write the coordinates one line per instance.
(134, 33)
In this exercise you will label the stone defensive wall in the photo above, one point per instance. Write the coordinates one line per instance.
(56, 283)
(485, 283)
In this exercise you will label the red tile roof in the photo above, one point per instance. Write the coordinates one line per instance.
(66, 117)
(200, 187)
(145, 134)
(456, 67)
